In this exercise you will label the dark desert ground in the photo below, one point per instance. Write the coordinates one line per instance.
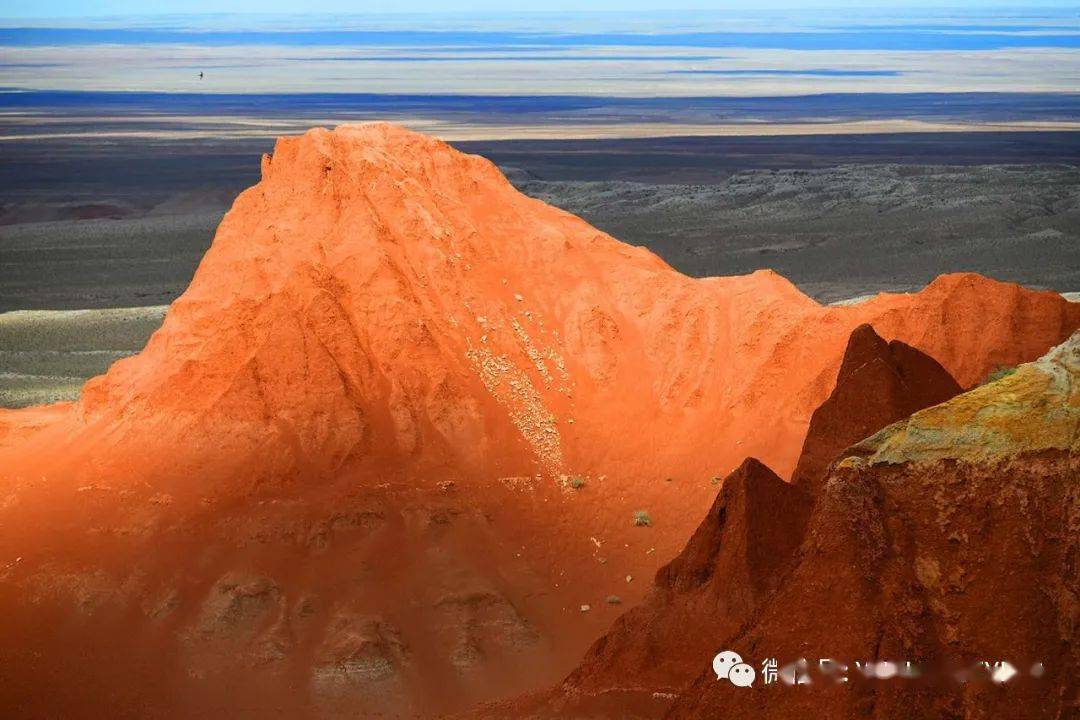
(111, 199)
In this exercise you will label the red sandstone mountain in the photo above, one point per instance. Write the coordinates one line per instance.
(878, 384)
(337, 480)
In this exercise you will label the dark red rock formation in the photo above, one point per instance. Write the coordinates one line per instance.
(743, 550)
(878, 383)
(948, 539)
(734, 561)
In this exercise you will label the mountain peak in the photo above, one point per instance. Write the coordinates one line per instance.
(384, 146)
(878, 383)
(467, 393)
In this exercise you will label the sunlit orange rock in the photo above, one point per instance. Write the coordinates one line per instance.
(392, 437)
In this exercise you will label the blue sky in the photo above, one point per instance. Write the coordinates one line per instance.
(82, 8)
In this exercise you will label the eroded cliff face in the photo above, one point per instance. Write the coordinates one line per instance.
(379, 297)
(733, 563)
(744, 549)
(951, 536)
(878, 384)
(392, 438)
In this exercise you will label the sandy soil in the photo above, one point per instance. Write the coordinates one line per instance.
(46, 356)
(249, 128)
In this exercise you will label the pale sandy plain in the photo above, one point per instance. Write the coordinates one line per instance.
(248, 128)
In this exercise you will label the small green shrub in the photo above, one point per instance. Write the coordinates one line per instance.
(642, 519)
(613, 599)
(577, 482)
(1001, 371)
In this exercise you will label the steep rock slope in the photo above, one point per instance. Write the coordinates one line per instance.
(947, 539)
(742, 551)
(380, 296)
(734, 561)
(392, 437)
(878, 384)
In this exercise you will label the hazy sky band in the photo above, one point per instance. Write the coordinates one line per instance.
(749, 54)
(518, 57)
(810, 72)
(896, 39)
